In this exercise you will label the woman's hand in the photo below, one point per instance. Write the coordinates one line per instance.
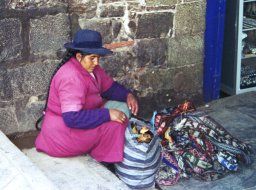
(132, 104)
(116, 115)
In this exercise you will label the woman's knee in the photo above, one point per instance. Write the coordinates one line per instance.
(121, 106)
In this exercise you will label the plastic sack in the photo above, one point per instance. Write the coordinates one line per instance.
(141, 160)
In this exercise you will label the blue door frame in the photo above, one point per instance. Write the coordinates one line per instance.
(214, 35)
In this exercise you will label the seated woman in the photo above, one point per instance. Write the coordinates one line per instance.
(86, 111)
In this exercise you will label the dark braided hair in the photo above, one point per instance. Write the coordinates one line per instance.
(69, 54)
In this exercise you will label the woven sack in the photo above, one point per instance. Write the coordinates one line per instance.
(141, 160)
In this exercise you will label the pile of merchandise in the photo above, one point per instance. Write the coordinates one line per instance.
(195, 145)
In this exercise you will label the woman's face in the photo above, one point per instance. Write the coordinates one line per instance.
(88, 62)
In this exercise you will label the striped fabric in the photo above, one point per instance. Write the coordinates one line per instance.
(141, 160)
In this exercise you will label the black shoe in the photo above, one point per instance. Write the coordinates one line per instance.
(109, 166)
(157, 186)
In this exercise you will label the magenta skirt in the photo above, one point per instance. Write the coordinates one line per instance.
(104, 143)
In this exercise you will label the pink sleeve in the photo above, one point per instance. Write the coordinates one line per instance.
(71, 94)
(105, 79)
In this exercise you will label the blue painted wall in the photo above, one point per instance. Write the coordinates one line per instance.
(214, 34)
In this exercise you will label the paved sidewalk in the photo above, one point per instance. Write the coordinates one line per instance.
(75, 173)
(35, 171)
(17, 171)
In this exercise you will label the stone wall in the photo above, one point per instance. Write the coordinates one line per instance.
(158, 50)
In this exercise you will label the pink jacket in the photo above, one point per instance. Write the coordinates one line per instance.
(72, 89)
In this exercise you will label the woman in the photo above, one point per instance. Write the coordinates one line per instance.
(78, 118)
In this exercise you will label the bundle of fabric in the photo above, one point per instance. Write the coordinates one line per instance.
(142, 155)
(195, 145)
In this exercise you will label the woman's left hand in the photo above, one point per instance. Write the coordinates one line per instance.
(132, 104)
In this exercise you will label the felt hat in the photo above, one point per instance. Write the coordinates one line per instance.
(88, 41)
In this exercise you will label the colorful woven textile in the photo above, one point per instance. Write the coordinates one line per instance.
(195, 145)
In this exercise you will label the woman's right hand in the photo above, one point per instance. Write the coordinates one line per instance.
(116, 115)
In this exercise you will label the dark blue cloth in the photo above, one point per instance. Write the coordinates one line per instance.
(86, 119)
(116, 92)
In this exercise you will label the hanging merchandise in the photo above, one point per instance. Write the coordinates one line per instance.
(195, 145)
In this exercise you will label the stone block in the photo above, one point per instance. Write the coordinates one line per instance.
(112, 11)
(110, 1)
(27, 111)
(154, 101)
(158, 89)
(48, 34)
(187, 79)
(2, 93)
(74, 23)
(134, 6)
(9, 123)
(164, 99)
(119, 44)
(75, 173)
(185, 50)
(116, 29)
(119, 64)
(152, 52)
(2, 4)
(109, 28)
(11, 44)
(161, 2)
(153, 25)
(161, 8)
(155, 79)
(28, 4)
(185, 1)
(190, 18)
(5, 87)
(86, 8)
(31, 79)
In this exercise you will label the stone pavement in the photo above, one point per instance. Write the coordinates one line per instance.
(75, 173)
(17, 171)
(31, 170)
(39, 171)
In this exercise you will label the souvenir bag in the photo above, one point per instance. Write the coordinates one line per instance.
(195, 145)
(142, 155)
(169, 171)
